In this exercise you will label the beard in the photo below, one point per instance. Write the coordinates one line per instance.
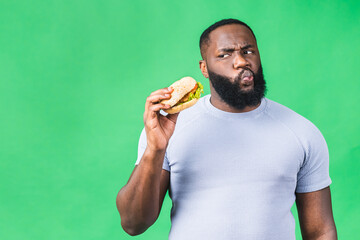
(233, 94)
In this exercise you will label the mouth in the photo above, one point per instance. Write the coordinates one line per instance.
(247, 78)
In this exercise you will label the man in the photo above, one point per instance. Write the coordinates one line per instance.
(235, 162)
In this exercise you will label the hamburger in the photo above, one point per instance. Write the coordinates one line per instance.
(186, 93)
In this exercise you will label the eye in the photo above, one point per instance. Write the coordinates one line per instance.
(248, 51)
(223, 55)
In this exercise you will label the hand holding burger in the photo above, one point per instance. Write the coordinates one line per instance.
(182, 94)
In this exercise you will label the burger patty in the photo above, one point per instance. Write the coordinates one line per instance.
(186, 97)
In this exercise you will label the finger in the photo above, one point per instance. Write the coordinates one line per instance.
(153, 108)
(157, 107)
(152, 111)
(150, 100)
(158, 98)
(162, 91)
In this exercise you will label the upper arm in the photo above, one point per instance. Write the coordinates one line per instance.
(164, 185)
(315, 214)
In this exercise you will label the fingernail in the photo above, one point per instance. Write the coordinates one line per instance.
(169, 88)
(167, 95)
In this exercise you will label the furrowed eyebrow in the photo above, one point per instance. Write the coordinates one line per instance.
(231, 49)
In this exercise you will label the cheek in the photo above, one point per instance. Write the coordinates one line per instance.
(257, 60)
(221, 69)
(255, 63)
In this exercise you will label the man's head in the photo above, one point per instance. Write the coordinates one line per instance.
(231, 61)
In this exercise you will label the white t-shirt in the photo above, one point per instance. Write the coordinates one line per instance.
(234, 175)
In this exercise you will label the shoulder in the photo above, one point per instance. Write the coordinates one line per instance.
(303, 128)
(288, 116)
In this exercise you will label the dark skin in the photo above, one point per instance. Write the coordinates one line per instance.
(139, 202)
(315, 215)
(231, 48)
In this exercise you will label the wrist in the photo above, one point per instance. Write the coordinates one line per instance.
(156, 148)
(154, 152)
(153, 158)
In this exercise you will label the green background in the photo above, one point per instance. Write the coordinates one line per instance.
(74, 76)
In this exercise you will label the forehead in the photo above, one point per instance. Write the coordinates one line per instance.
(232, 35)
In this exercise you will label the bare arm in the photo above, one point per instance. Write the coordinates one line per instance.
(315, 215)
(139, 201)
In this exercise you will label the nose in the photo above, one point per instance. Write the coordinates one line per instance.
(240, 61)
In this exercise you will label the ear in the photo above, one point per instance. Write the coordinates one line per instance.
(203, 68)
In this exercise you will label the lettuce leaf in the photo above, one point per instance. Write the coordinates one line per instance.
(196, 94)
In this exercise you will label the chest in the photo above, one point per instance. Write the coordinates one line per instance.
(238, 152)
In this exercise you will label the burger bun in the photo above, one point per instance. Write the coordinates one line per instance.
(181, 88)
(181, 107)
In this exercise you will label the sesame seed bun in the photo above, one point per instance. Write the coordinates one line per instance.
(181, 88)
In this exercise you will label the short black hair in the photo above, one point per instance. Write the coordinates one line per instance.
(204, 38)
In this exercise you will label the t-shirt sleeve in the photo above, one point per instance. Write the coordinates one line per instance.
(141, 149)
(314, 172)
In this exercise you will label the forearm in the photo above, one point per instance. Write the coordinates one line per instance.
(138, 200)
